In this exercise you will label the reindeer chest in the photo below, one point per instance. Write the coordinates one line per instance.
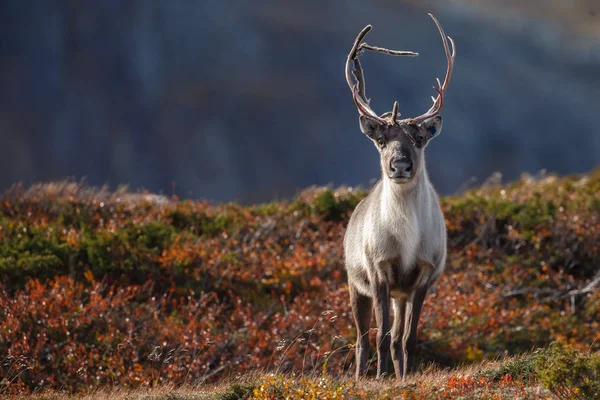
(397, 240)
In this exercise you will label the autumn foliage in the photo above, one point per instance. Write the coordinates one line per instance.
(133, 290)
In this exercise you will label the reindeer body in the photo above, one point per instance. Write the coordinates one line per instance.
(395, 242)
(391, 233)
(395, 249)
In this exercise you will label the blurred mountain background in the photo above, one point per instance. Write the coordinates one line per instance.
(246, 101)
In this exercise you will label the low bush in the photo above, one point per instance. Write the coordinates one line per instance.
(568, 372)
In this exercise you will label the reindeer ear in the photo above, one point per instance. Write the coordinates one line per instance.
(431, 127)
(369, 126)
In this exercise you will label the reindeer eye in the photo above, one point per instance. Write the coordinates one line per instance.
(381, 141)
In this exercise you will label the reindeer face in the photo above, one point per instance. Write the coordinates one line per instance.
(401, 144)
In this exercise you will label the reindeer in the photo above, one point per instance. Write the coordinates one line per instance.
(395, 243)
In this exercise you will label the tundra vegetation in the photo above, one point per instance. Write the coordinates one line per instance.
(140, 296)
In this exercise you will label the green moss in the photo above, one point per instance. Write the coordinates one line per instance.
(31, 252)
(132, 249)
(106, 251)
(202, 223)
(236, 392)
(266, 210)
(217, 224)
(332, 207)
(155, 236)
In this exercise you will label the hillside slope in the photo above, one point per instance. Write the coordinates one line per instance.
(107, 289)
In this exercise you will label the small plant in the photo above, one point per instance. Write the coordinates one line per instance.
(290, 387)
(569, 373)
(521, 369)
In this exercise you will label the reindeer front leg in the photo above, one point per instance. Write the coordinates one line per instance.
(412, 311)
(362, 307)
(381, 297)
(397, 333)
(414, 304)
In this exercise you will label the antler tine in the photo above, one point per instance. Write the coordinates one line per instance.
(352, 57)
(353, 52)
(441, 89)
(389, 52)
(358, 89)
(394, 115)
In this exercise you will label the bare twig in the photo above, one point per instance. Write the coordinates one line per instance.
(586, 289)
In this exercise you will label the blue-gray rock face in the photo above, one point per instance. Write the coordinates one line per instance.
(238, 100)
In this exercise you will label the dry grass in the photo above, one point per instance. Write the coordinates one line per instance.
(70, 189)
(432, 382)
(435, 382)
(204, 392)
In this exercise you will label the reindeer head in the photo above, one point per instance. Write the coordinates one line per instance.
(399, 142)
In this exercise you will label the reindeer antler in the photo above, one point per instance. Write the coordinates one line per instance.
(358, 89)
(438, 102)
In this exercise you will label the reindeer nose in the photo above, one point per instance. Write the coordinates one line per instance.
(401, 167)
